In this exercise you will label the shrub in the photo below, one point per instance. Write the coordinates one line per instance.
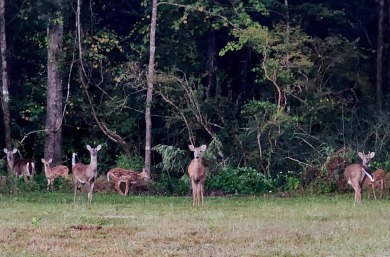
(131, 163)
(240, 181)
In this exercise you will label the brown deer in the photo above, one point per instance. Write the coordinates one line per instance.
(20, 167)
(130, 177)
(85, 174)
(380, 177)
(354, 174)
(197, 173)
(53, 173)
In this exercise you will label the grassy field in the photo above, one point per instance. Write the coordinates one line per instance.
(47, 224)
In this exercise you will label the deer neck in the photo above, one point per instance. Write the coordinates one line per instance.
(93, 163)
(11, 163)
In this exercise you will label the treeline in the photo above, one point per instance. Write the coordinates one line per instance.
(274, 88)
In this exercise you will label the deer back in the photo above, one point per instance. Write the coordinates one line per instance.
(24, 166)
(354, 173)
(119, 174)
(60, 171)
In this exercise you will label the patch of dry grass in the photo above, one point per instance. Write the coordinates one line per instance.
(47, 224)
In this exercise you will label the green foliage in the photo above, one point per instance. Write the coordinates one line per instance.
(284, 96)
(183, 186)
(240, 181)
(322, 187)
(173, 158)
(130, 163)
(34, 221)
(292, 183)
(101, 44)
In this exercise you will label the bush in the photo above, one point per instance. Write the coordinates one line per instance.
(240, 181)
(133, 163)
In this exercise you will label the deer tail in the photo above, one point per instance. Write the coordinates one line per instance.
(75, 159)
(30, 167)
(368, 174)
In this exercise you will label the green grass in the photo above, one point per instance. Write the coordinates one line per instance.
(47, 224)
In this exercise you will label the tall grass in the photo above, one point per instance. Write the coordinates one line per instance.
(47, 224)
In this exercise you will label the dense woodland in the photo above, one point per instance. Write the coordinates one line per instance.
(276, 89)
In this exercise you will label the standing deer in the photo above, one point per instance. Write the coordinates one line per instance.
(197, 173)
(20, 167)
(85, 174)
(355, 174)
(53, 173)
(380, 177)
(130, 177)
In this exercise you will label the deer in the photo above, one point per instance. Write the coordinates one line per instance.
(85, 174)
(130, 177)
(197, 174)
(20, 167)
(354, 174)
(380, 177)
(53, 173)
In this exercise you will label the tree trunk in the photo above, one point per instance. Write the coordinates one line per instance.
(379, 56)
(4, 78)
(53, 130)
(150, 81)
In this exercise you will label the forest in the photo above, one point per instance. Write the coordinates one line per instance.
(282, 92)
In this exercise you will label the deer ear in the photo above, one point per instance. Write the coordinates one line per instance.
(50, 160)
(15, 151)
(372, 154)
(98, 147)
(5, 150)
(360, 155)
(203, 148)
(43, 160)
(191, 147)
(89, 147)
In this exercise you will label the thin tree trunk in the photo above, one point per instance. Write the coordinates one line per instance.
(53, 137)
(111, 134)
(150, 81)
(379, 56)
(4, 78)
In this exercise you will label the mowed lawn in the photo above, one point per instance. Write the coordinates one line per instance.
(47, 224)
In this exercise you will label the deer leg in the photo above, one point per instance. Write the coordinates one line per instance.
(127, 187)
(382, 188)
(75, 191)
(90, 191)
(193, 185)
(198, 194)
(118, 188)
(373, 185)
(201, 191)
(358, 196)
